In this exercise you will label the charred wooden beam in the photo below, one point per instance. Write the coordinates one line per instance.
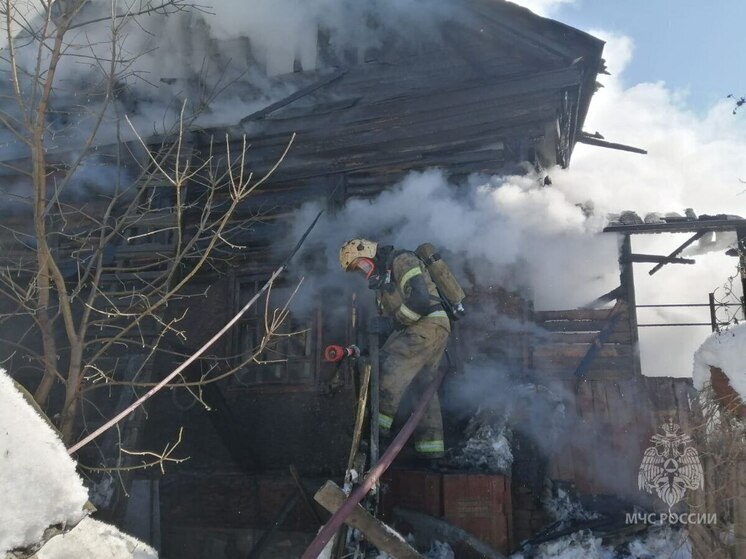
(278, 521)
(684, 226)
(627, 281)
(603, 336)
(293, 97)
(685, 244)
(660, 259)
(304, 494)
(593, 140)
(428, 528)
(331, 497)
(612, 295)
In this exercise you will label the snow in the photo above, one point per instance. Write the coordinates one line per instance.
(657, 542)
(39, 488)
(485, 450)
(580, 545)
(726, 351)
(92, 539)
(440, 550)
(565, 506)
(38, 481)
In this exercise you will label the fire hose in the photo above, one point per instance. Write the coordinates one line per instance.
(357, 495)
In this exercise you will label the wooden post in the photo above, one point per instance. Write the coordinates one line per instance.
(741, 234)
(386, 539)
(627, 279)
(362, 405)
(327, 532)
(374, 396)
(713, 315)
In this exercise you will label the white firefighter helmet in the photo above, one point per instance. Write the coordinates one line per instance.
(354, 249)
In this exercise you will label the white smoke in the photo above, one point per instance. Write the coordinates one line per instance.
(693, 161)
(514, 232)
(218, 60)
(507, 231)
(510, 231)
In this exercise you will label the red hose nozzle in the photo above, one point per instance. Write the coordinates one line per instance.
(335, 353)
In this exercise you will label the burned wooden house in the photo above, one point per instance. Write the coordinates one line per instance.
(496, 90)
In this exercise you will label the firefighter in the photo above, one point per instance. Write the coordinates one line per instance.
(406, 293)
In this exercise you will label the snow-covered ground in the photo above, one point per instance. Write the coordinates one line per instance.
(40, 489)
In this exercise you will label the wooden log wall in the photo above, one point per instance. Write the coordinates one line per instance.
(611, 410)
(570, 335)
(608, 427)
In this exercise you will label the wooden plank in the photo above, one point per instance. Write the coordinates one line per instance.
(581, 450)
(573, 314)
(528, 33)
(362, 121)
(604, 482)
(439, 66)
(458, 96)
(299, 166)
(477, 503)
(476, 91)
(608, 367)
(436, 130)
(331, 497)
(619, 337)
(573, 325)
(660, 259)
(618, 435)
(415, 490)
(572, 353)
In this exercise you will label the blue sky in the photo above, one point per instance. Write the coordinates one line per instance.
(695, 46)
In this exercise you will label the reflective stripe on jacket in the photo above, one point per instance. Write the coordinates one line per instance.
(396, 298)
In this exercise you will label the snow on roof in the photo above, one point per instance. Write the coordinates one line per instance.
(726, 351)
(38, 482)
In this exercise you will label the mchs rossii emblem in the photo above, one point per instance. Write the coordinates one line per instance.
(671, 466)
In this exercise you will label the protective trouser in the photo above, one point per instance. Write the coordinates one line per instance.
(411, 356)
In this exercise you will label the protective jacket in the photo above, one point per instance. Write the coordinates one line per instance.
(406, 292)
(412, 353)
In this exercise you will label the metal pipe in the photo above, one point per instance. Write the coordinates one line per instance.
(691, 305)
(326, 533)
(713, 316)
(677, 324)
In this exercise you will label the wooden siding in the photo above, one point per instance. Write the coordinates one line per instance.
(480, 504)
(570, 335)
(609, 425)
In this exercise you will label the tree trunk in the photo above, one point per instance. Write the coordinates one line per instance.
(72, 391)
(43, 253)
